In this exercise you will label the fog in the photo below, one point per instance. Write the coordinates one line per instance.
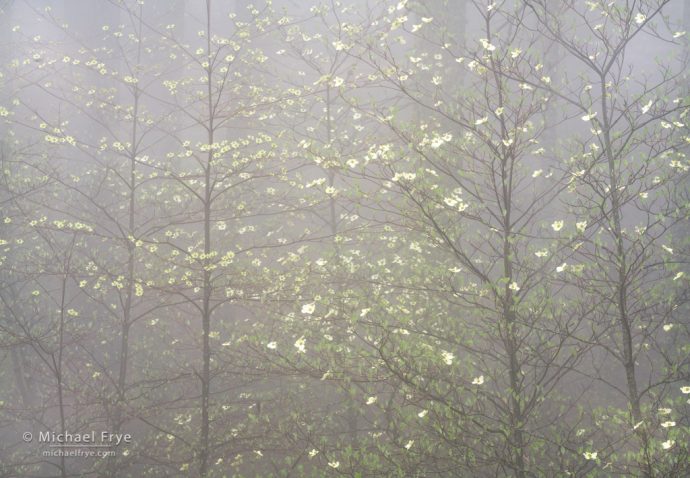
(443, 238)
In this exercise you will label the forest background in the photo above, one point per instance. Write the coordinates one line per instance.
(346, 238)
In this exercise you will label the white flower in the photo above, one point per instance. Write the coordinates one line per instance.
(667, 327)
(679, 275)
(478, 380)
(313, 452)
(405, 176)
(542, 253)
(272, 345)
(409, 444)
(487, 46)
(371, 400)
(668, 444)
(664, 411)
(589, 117)
(668, 424)
(590, 455)
(423, 413)
(308, 309)
(337, 81)
(557, 225)
(685, 390)
(352, 163)
(452, 202)
(562, 267)
(515, 52)
(364, 312)
(581, 226)
(300, 344)
(514, 286)
(334, 464)
(646, 107)
(447, 357)
(481, 121)
(678, 34)
(537, 173)
(640, 18)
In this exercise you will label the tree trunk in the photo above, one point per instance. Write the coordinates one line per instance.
(623, 318)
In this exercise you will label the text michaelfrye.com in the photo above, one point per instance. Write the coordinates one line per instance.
(91, 444)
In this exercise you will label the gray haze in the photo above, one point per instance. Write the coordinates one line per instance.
(344, 238)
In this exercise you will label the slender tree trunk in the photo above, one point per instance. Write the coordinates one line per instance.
(510, 336)
(515, 371)
(131, 261)
(58, 367)
(352, 414)
(206, 347)
(207, 284)
(623, 318)
(20, 378)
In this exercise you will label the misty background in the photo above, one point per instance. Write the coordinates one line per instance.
(346, 238)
